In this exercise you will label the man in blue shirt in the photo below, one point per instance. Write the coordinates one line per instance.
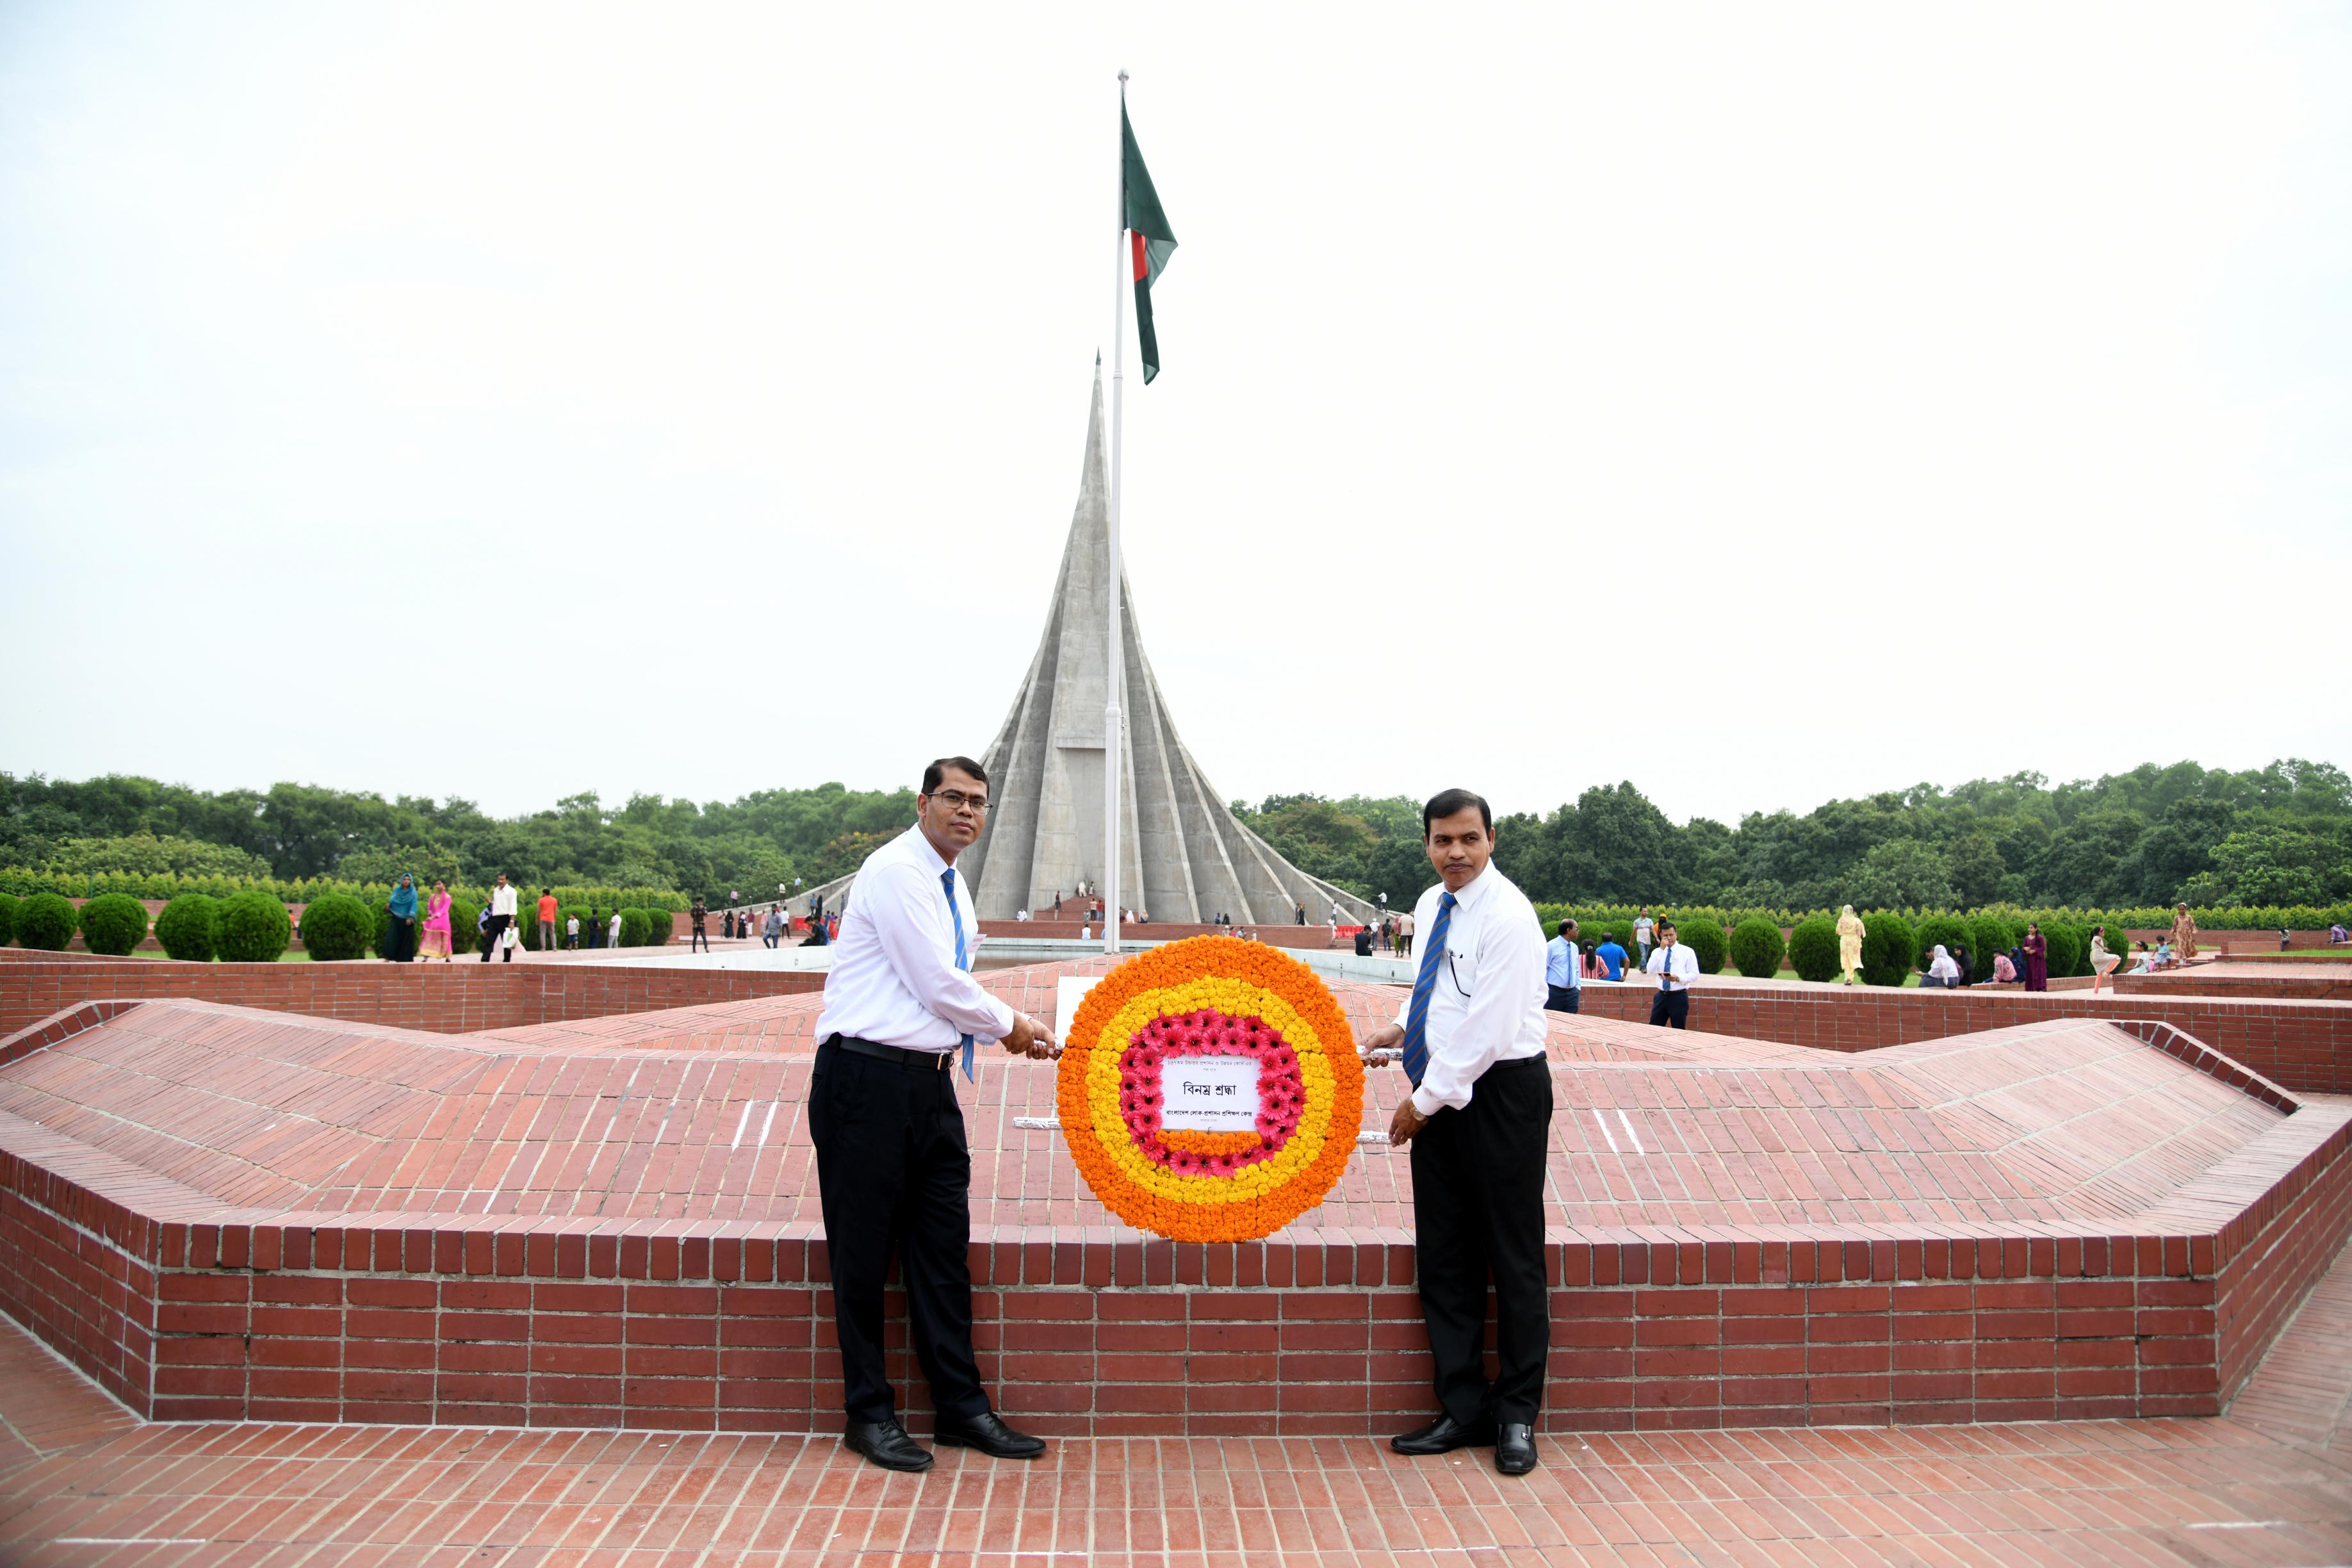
(1563, 972)
(1612, 959)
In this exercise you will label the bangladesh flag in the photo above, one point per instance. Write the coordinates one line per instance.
(1147, 232)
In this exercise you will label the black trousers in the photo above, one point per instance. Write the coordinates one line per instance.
(895, 1177)
(1477, 1208)
(1669, 1008)
(490, 935)
(1564, 999)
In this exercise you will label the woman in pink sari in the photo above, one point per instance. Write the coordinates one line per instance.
(436, 924)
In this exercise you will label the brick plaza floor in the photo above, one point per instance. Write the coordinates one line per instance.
(84, 1483)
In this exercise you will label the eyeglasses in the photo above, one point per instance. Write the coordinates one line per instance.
(956, 800)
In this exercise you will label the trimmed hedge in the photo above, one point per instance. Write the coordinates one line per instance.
(8, 903)
(254, 929)
(189, 928)
(1757, 948)
(632, 928)
(113, 924)
(338, 929)
(1888, 948)
(1703, 934)
(1945, 930)
(1987, 935)
(1813, 948)
(46, 921)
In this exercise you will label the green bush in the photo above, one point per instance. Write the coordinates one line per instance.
(1757, 947)
(1945, 930)
(1989, 934)
(254, 928)
(2070, 948)
(189, 927)
(113, 924)
(8, 919)
(1887, 949)
(338, 929)
(463, 938)
(1703, 934)
(634, 927)
(1813, 948)
(46, 921)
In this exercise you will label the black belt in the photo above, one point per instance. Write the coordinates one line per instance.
(918, 1061)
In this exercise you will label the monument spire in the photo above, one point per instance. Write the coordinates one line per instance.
(1182, 855)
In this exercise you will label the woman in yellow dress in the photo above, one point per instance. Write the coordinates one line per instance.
(1849, 946)
(2184, 934)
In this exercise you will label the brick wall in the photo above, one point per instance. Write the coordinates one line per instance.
(447, 999)
(2300, 1045)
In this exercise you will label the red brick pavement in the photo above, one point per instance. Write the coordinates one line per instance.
(83, 1484)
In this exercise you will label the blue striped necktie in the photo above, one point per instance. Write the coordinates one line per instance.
(955, 913)
(1416, 1020)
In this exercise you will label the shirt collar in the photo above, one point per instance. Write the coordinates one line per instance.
(927, 853)
(1475, 894)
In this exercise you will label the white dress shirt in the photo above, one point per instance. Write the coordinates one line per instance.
(502, 901)
(1488, 1006)
(1674, 966)
(894, 978)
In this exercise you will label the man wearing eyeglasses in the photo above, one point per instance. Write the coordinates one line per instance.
(901, 1014)
(1479, 1122)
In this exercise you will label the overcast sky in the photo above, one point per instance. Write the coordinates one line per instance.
(1760, 404)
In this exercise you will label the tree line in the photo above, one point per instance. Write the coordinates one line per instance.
(2269, 836)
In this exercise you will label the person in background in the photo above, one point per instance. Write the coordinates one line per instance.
(2338, 936)
(2037, 957)
(509, 940)
(1642, 931)
(2004, 970)
(547, 920)
(1478, 1121)
(698, 918)
(595, 925)
(1965, 963)
(2103, 963)
(1404, 934)
(773, 933)
(2285, 936)
(1941, 970)
(1563, 984)
(1611, 956)
(1057, 903)
(572, 931)
(1363, 940)
(437, 923)
(1675, 966)
(727, 924)
(1850, 930)
(503, 901)
(1592, 967)
(2184, 932)
(2144, 959)
(612, 932)
(403, 905)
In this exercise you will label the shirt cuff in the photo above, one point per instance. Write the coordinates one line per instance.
(1425, 1102)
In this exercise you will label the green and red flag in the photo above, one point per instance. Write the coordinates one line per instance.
(1150, 240)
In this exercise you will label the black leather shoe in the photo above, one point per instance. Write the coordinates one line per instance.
(1515, 1447)
(1445, 1435)
(885, 1443)
(988, 1433)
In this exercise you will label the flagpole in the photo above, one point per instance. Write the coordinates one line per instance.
(1114, 736)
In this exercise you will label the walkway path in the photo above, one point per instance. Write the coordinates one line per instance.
(2270, 1483)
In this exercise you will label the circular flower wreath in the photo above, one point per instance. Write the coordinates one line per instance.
(1211, 996)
